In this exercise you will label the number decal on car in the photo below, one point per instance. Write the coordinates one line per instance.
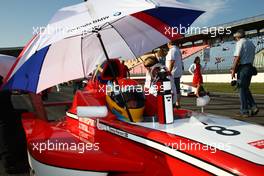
(222, 130)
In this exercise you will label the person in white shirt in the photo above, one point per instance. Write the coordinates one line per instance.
(244, 56)
(174, 65)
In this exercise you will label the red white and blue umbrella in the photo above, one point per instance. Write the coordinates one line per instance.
(81, 36)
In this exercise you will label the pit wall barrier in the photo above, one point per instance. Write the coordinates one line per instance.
(222, 78)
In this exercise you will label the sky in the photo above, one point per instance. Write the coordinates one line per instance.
(18, 18)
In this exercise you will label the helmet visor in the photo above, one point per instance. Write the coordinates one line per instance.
(133, 99)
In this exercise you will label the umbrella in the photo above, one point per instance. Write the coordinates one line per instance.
(82, 36)
(6, 63)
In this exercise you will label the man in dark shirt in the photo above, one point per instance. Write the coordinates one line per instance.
(12, 139)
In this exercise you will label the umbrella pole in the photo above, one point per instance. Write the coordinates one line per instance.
(112, 71)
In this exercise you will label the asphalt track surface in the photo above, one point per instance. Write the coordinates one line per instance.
(220, 104)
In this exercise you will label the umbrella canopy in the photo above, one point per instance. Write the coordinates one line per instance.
(71, 45)
(6, 63)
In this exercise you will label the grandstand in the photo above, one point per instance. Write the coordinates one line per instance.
(221, 55)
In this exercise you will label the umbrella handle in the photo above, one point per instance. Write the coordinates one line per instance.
(112, 71)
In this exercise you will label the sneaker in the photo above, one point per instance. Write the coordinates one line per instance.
(239, 115)
(254, 111)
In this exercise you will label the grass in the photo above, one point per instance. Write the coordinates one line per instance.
(256, 88)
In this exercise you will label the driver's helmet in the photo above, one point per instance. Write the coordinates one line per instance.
(133, 97)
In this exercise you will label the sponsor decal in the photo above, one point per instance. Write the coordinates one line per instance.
(86, 26)
(87, 121)
(258, 144)
(117, 132)
(85, 137)
(87, 128)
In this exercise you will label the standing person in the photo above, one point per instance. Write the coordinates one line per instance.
(243, 65)
(196, 70)
(161, 56)
(149, 62)
(12, 137)
(174, 65)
